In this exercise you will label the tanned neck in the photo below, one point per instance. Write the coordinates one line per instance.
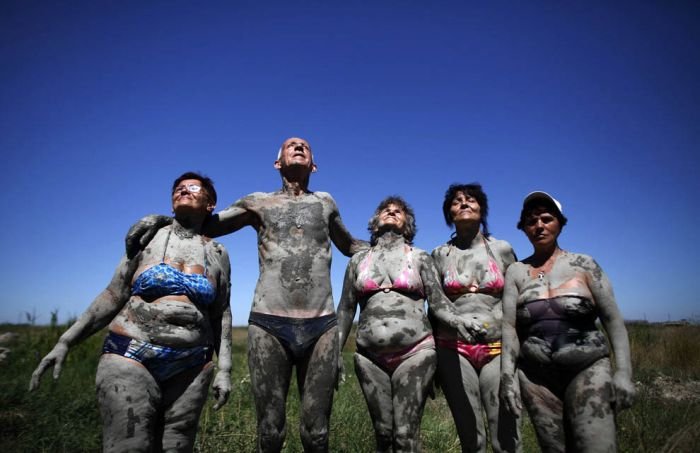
(467, 235)
(541, 255)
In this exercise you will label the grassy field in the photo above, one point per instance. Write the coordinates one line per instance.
(63, 415)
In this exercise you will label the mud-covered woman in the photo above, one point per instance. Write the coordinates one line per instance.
(471, 267)
(395, 358)
(168, 311)
(551, 303)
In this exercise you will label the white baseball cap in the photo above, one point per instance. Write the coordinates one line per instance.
(545, 196)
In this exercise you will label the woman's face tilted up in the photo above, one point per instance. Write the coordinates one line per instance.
(393, 215)
(190, 197)
(465, 208)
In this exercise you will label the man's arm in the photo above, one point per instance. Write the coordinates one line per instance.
(232, 219)
(340, 235)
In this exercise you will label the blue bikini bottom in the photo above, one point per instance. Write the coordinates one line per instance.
(163, 362)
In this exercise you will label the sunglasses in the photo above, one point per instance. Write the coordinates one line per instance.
(191, 188)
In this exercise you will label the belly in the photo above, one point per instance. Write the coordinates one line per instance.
(165, 322)
(389, 334)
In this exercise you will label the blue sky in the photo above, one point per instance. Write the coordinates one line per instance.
(105, 103)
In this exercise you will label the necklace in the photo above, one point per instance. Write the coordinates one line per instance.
(540, 275)
(182, 232)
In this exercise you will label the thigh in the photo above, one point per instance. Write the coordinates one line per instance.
(411, 382)
(546, 412)
(376, 386)
(270, 373)
(129, 400)
(184, 398)
(316, 378)
(589, 412)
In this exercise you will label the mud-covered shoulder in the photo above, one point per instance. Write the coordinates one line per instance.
(440, 251)
(357, 258)
(251, 200)
(502, 249)
(422, 256)
(517, 270)
(586, 264)
(326, 199)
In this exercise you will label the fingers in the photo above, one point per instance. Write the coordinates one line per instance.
(513, 403)
(36, 375)
(464, 333)
(58, 367)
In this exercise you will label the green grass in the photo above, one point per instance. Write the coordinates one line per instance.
(63, 415)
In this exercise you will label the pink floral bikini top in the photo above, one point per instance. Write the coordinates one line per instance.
(408, 281)
(492, 283)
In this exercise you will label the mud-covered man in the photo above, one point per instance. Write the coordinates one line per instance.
(292, 321)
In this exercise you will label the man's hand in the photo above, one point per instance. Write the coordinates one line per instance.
(141, 233)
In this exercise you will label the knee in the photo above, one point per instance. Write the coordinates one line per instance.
(384, 438)
(271, 436)
(405, 439)
(314, 438)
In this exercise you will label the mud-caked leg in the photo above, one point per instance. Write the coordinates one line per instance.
(504, 426)
(546, 411)
(376, 386)
(411, 383)
(316, 381)
(590, 415)
(270, 373)
(129, 398)
(183, 399)
(460, 385)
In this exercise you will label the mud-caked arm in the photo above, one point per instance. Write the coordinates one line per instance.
(509, 389)
(614, 326)
(340, 235)
(440, 306)
(141, 233)
(346, 311)
(98, 315)
(221, 320)
(232, 219)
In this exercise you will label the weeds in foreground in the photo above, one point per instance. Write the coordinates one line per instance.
(63, 415)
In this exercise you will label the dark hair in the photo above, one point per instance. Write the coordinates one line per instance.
(542, 202)
(409, 230)
(207, 183)
(472, 190)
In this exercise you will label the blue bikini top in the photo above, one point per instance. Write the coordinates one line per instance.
(164, 280)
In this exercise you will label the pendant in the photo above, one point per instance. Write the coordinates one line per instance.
(540, 275)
